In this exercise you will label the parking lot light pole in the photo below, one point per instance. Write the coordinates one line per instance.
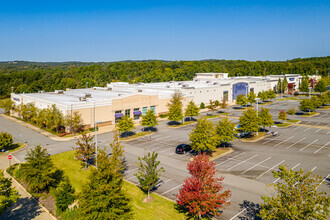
(310, 88)
(96, 142)
(257, 100)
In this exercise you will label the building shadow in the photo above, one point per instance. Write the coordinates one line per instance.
(24, 209)
(252, 211)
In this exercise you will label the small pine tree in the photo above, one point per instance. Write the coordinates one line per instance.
(6, 140)
(64, 195)
(284, 84)
(148, 173)
(304, 85)
(192, 110)
(202, 105)
(85, 148)
(278, 86)
(203, 136)
(8, 195)
(125, 124)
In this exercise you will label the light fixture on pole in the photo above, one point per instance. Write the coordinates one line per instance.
(257, 100)
(96, 142)
(246, 92)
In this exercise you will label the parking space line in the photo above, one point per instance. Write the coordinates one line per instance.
(237, 214)
(230, 159)
(167, 181)
(130, 178)
(170, 154)
(255, 165)
(295, 143)
(317, 123)
(318, 130)
(165, 150)
(241, 162)
(322, 181)
(321, 147)
(270, 169)
(158, 148)
(313, 169)
(306, 129)
(270, 140)
(132, 170)
(308, 145)
(291, 168)
(171, 189)
(283, 141)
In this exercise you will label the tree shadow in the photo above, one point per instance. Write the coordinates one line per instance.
(127, 134)
(24, 208)
(190, 119)
(153, 129)
(173, 123)
(252, 209)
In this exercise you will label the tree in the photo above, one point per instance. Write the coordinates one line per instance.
(202, 192)
(251, 97)
(223, 104)
(306, 105)
(54, 118)
(249, 121)
(304, 85)
(85, 148)
(211, 106)
(6, 140)
(202, 105)
(282, 115)
(192, 110)
(8, 195)
(291, 111)
(64, 195)
(225, 131)
(296, 197)
(271, 94)
(241, 100)
(125, 124)
(284, 85)
(103, 196)
(148, 173)
(263, 95)
(216, 103)
(150, 119)
(265, 118)
(320, 86)
(278, 86)
(175, 107)
(316, 102)
(74, 122)
(203, 136)
(38, 171)
(7, 104)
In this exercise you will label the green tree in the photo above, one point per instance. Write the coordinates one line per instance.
(8, 195)
(271, 94)
(192, 110)
(223, 104)
(64, 195)
(282, 115)
(284, 85)
(304, 85)
(148, 173)
(149, 120)
(306, 105)
(175, 107)
(225, 130)
(216, 103)
(203, 136)
(202, 105)
(54, 118)
(125, 124)
(320, 86)
(251, 97)
(7, 104)
(296, 197)
(211, 106)
(85, 148)
(6, 140)
(74, 122)
(38, 171)
(249, 121)
(241, 100)
(278, 86)
(103, 196)
(263, 95)
(291, 111)
(265, 118)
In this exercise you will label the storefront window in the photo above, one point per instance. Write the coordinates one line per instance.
(144, 110)
(153, 108)
(128, 112)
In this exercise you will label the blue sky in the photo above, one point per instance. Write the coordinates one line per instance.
(169, 30)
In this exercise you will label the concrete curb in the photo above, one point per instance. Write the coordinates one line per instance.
(312, 126)
(224, 154)
(309, 116)
(29, 195)
(258, 139)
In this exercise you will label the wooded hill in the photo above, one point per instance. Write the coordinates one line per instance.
(34, 76)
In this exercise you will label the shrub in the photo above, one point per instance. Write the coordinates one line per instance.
(6, 140)
(282, 115)
(202, 106)
(64, 196)
(291, 111)
(216, 103)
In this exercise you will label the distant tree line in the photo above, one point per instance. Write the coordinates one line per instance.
(32, 77)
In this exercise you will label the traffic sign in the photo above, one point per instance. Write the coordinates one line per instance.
(10, 156)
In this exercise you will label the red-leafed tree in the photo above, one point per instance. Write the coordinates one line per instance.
(202, 192)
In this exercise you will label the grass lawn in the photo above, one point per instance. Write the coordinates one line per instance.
(160, 208)
(310, 114)
(289, 98)
(292, 120)
(324, 107)
(283, 125)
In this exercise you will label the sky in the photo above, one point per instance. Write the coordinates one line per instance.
(98, 31)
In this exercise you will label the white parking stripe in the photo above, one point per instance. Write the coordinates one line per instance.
(295, 143)
(230, 159)
(306, 129)
(321, 147)
(270, 169)
(131, 178)
(313, 169)
(132, 170)
(158, 148)
(283, 141)
(255, 165)
(167, 181)
(296, 128)
(318, 130)
(166, 150)
(237, 214)
(171, 189)
(291, 168)
(241, 162)
(322, 181)
(308, 145)
(317, 123)
(271, 140)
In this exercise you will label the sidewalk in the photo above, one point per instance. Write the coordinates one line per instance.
(25, 207)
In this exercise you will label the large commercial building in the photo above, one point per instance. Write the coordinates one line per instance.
(109, 104)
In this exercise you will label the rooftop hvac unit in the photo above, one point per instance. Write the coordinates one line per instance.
(179, 83)
(216, 83)
(208, 81)
(185, 85)
(140, 83)
(42, 91)
(82, 99)
(88, 95)
(140, 90)
(59, 91)
(167, 86)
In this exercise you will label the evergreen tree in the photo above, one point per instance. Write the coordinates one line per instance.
(241, 100)
(304, 85)
(249, 121)
(251, 97)
(192, 110)
(265, 118)
(203, 136)
(103, 196)
(125, 124)
(150, 119)
(8, 195)
(6, 140)
(175, 107)
(278, 86)
(320, 86)
(284, 85)
(85, 148)
(202, 105)
(64, 195)
(202, 192)
(38, 171)
(296, 197)
(225, 130)
(7, 104)
(148, 173)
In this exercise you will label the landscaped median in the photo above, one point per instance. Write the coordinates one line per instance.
(261, 135)
(136, 135)
(311, 114)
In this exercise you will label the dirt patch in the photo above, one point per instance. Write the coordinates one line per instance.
(48, 201)
(146, 200)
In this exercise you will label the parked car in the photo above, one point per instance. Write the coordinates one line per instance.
(182, 148)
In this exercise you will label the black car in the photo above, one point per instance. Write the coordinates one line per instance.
(182, 149)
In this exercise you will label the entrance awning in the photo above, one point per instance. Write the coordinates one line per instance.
(118, 115)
